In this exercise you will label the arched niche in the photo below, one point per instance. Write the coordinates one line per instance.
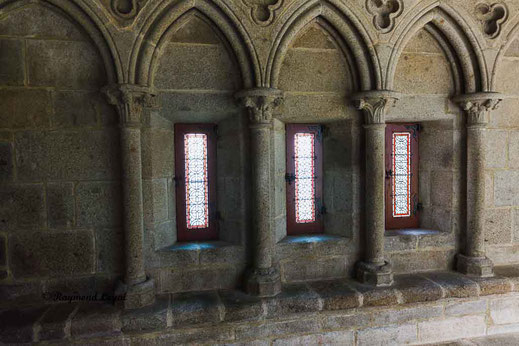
(63, 139)
(457, 41)
(354, 40)
(196, 74)
(145, 54)
(317, 76)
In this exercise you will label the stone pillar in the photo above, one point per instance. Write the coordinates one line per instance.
(473, 260)
(374, 269)
(130, 101)
(263, 278)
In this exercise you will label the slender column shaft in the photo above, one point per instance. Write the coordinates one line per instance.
(263, 278)
(132, 204)
(374, 269)
(260, 152)
(475, 246)
(375, 209)
(130, 101)
(473, 260)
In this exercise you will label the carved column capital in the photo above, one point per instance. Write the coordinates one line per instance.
(374, 104)
(478, 106)
(130, 100)
(260, 102)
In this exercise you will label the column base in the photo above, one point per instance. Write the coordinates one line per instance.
(263, 282)
(136, 296)
(476, 266)
(376, 275)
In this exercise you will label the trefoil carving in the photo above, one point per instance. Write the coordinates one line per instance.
(492, 18)
(126, 9)
(384, 13)
(263, 12)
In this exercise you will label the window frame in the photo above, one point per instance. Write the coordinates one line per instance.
(294, 228)
(412, 221)
(199, 234)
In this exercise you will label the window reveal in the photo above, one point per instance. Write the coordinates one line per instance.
(304, 179)
(402, 207)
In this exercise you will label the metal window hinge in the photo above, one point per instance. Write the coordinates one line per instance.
(415, 128)
(389, 174)
(178, 180)
(289, 178)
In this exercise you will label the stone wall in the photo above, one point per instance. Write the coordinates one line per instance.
(61, 209)
(502, 215)
(60, 203)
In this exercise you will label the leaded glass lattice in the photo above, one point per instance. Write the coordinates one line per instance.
(304, 152)
(401, 177)
(197, 200)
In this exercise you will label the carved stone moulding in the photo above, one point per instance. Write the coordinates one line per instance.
(384, 13)
(492, 17)
(263, 12)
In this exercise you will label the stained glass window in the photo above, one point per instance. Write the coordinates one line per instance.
(197, 201)
(195, 182)
(304, 150)
(305, 208)
(401, 175)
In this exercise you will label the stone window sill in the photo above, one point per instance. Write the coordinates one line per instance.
(416, 239)
(201, 253)
(412, 232)
(310, 239)
(196, 246)
(311, 245)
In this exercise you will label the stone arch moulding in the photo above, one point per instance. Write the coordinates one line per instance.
(80, 14)
(456, 39)
(146, 51)
(338, 19)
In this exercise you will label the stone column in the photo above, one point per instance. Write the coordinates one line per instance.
(473, 260)
(263, 278)
(374, 269)
(130, 101)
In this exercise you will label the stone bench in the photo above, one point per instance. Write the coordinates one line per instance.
(312, 312)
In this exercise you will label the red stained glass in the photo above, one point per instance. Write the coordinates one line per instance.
(401, 177)
(196, 180)
(304, 150)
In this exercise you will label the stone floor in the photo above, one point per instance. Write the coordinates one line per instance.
(412, 311)
(496, 340)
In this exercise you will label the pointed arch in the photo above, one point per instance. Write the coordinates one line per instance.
(80, 14)
(146, 51)
(344, 26)
(457, 41)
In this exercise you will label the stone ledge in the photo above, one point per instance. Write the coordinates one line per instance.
(216, 309)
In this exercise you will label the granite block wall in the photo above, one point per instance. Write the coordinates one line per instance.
(60, 205)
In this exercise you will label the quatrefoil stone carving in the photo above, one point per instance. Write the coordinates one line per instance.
(492, 17)
(263, 12)
(384, 13)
